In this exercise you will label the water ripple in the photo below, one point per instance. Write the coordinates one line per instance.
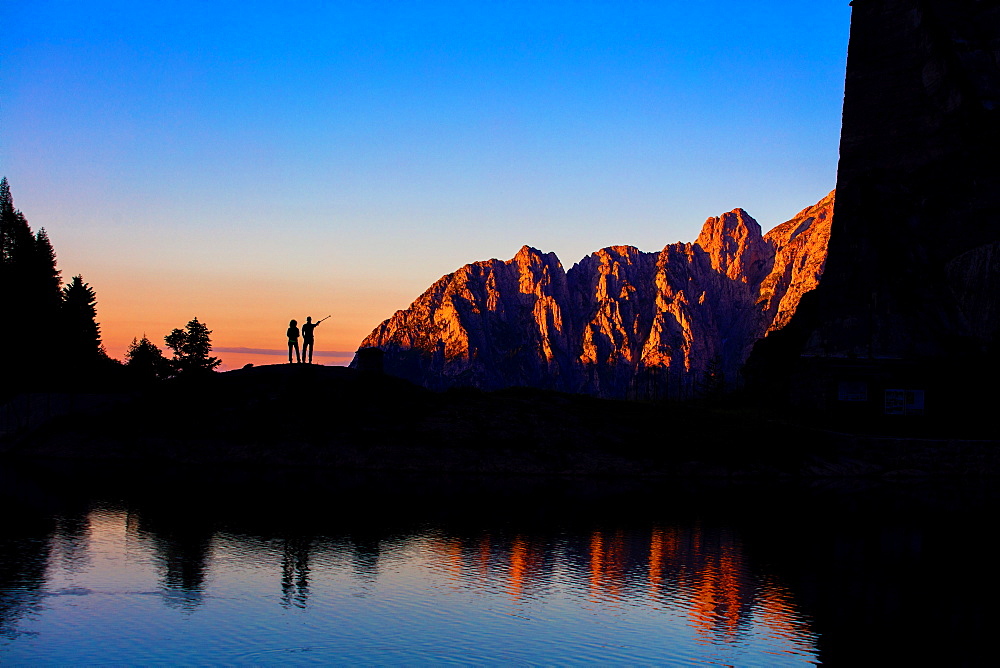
(152, 592)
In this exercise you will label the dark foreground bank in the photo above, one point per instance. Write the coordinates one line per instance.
(338, 418)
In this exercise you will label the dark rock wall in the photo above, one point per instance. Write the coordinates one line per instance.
(913, 258)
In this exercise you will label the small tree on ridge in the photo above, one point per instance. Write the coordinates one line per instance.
(146, 361)
(191, 347)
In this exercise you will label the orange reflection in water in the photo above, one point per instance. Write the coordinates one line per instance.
(722, 596)
(596, 564)
(700, 573)
(663, 549)
(778, 614)
(656, 562)
(519, 566)
(608, 565)
(450, 552)
(483, 556)
(702, 610)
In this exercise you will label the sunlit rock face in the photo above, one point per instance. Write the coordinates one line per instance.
(619, 323)
(800, 246)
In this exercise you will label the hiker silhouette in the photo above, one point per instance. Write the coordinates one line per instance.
(307, 337)
(293, 340)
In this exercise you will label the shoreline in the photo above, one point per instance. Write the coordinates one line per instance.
(338, 419)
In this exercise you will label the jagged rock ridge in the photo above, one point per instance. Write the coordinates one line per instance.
(621, 322)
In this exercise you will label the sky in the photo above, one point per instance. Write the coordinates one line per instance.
(247, 163)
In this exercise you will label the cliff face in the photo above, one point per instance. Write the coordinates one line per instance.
(913, 270)
(621, 322)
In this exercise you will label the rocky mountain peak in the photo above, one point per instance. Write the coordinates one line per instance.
(621, 322)
(734, 243)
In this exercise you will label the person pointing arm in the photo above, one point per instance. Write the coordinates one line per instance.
(307, 338)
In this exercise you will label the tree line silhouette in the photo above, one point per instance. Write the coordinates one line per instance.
(191, 348)
(50, 338)
(50, 333)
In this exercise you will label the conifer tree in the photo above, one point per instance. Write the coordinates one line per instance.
(18, 252)
(50, 334)
(7, 286)
(7, 219)
(44, 267)
(146, 361)
(6, 201)
(191, 347)
(30, 284)
(44, 306)
(713, 382)
(81, 331)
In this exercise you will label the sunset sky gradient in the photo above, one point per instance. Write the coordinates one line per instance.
(248, 163)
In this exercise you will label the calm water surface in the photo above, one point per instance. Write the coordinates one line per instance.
(172, 568)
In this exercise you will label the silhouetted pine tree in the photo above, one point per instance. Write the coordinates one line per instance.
(191, 347)
(45, 306)
(146, 362)
(713, 382)
(8, 223)
(18, 252)
(46, 276)
(81, 332)
(49, 335)
(30, 283)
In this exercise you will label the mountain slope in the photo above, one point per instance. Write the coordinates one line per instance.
(619, 323)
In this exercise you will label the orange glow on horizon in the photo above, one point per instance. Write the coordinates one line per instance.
(240, 312)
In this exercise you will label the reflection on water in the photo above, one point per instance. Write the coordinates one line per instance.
(535, 577)
(23, 559)
(182, 551)
(690, 584)
(295, 572)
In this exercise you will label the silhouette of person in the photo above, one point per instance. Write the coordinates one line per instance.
(307, 338)
(293, 340)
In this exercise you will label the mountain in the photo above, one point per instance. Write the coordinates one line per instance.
(621, 322)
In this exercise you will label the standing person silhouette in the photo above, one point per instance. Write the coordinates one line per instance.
(293, 340)
(307, 337)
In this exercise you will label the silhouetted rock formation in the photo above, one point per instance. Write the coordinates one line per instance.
(914, 262)
(621, 322)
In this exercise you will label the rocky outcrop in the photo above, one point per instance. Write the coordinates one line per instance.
(800, 246)
(621, 322)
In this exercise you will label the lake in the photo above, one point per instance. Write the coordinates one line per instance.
(174, 567)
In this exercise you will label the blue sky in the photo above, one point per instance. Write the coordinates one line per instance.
(240, 161)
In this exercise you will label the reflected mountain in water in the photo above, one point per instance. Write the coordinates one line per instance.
(530, 571)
